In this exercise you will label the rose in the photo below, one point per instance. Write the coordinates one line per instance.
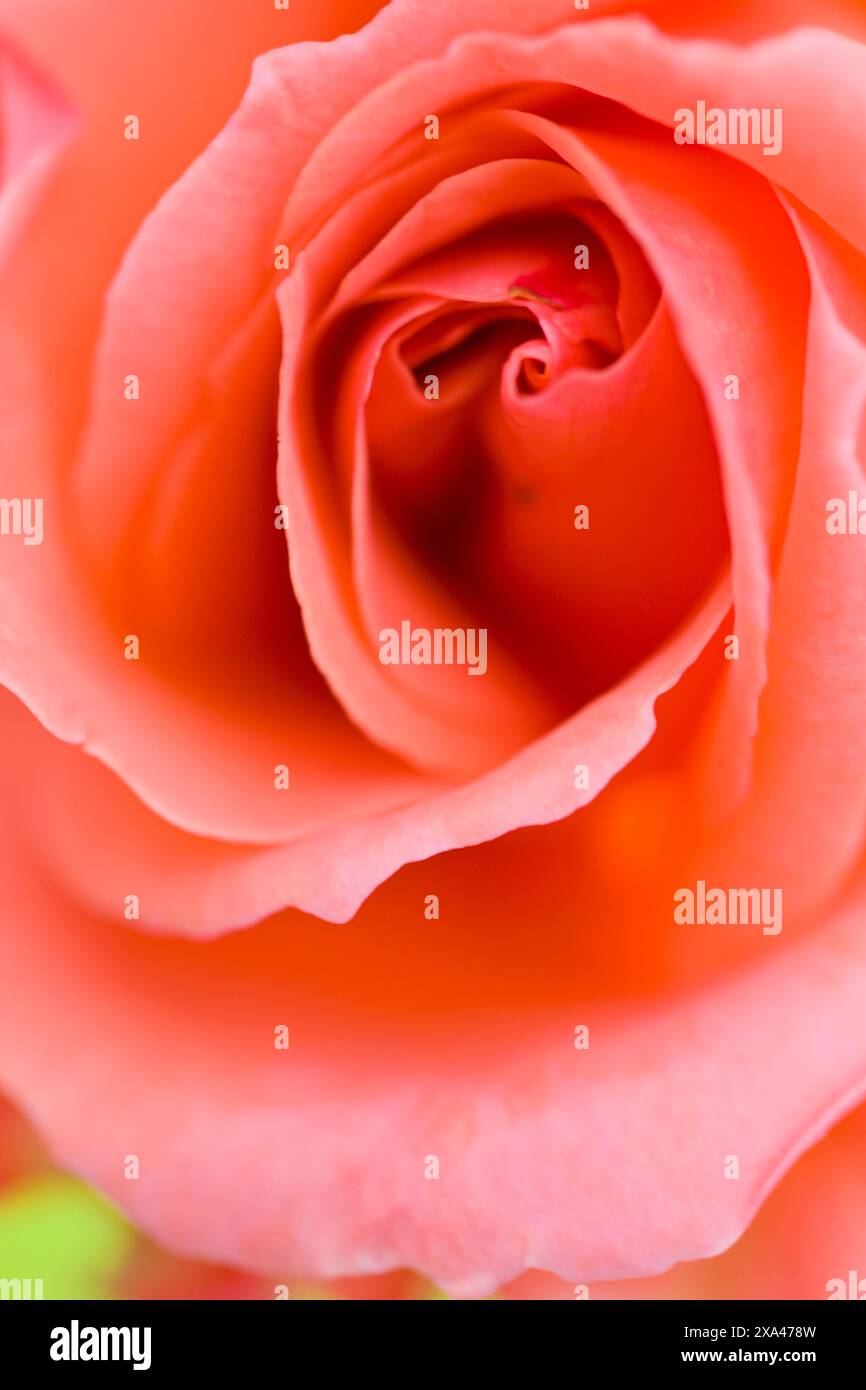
(553, 1071)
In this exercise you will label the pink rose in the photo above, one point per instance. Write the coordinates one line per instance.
(492, 340)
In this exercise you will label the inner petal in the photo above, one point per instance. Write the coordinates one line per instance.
(535, 305)
(481, 457)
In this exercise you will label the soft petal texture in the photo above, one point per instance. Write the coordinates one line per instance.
(804, 822)
(90, 686)
(578, 1145)
(810, 1232)
(35, 125)
(331, 873)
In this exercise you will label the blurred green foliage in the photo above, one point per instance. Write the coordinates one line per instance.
(56, 1229)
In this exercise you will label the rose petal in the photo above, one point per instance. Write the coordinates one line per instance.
(608, 1167)
(803, 826)
(806, 1238)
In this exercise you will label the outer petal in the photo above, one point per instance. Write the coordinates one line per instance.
(107, 844)
(35, 124)
(810, 1232)
(595, 1164)
(49, 615)
(801, 830)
